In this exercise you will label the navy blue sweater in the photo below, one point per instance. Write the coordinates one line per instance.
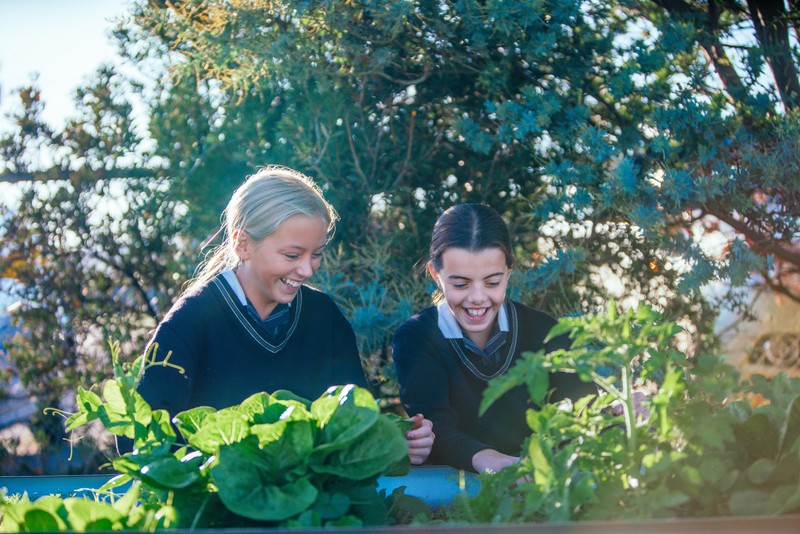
(226, 358)
(435, 382)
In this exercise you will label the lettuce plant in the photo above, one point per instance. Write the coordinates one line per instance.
(272, 460)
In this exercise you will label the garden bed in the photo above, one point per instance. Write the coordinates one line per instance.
(438, 486)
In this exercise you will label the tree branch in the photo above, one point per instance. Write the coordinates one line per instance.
(762, 244)
(58, 174)
(770, 22)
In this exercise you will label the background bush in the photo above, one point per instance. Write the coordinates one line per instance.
(615, 137)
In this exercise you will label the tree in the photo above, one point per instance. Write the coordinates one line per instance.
(94, 257)
(610, 133)
(616, 137)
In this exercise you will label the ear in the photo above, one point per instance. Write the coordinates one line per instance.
(242, 244)
(434, 274)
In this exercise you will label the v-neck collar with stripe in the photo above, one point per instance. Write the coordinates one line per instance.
(507, 324)
(234, 297)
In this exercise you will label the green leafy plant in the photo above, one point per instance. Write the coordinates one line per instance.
(274, 459)
(702, 444)
(81, 514)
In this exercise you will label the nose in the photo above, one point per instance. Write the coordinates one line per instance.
(305, 267)
(477, 295)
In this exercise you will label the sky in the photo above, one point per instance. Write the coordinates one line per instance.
(64, 41)
(60, 41)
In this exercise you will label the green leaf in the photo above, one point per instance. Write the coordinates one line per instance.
(189, 421)
(85, 514)
(749, 502)
(563, 326)
(543, 473)
(159, 434)
(790, 432)
(124, 412)
(712, 470)
(350, 521)
(263, 408)
(290, 441)
(331, 505)
(128, 501)
(582, 490)
(785, 499)
(249, 484)
(366, 503)
(88, 403)
(283, 395)
(528, 370)
(222, 428)
(343, 414)
(405, 509)
(171, 473)
(538, 383)
(760, 471)
(308, 520)
(38, 520)
(131, 464)
(376, 451)
(757, 437)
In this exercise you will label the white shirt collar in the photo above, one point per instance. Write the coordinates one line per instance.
(449, 327)
(230, 277)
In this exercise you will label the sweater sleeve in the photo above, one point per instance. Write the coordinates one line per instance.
(347, 362)
(168, 387)
(425, 388)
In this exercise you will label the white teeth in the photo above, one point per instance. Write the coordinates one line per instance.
(291, 283)
(475, 313)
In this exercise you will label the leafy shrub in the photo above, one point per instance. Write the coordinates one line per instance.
(377, 294)
(704, 444)
(275, 459)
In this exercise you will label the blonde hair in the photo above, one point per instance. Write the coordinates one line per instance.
(258, 207)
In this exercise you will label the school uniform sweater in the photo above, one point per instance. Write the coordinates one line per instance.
(443, 385)
(227, 356)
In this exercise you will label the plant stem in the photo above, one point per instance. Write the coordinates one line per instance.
(628, 408)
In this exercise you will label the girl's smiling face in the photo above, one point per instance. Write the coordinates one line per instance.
(474, 286)
(273, 269)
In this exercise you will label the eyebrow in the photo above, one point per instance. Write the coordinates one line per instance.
(299, 247)
(459, 277)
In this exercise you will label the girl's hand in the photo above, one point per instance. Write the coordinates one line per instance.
(420, 439)
(492, 460)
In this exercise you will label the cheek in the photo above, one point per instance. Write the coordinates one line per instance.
(499, 293)
(452, 296)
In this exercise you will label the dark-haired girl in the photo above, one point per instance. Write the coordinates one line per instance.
(446, 354)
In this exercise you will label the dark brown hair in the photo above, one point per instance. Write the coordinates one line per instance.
(473, 227)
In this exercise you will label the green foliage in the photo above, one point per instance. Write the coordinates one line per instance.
(376, 294)
(271, 460)
(80, 514)
(702, 444)
(92, 256)
(613, 136)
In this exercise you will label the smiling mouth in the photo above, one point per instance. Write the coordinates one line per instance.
(291, 283)
(476, 313)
